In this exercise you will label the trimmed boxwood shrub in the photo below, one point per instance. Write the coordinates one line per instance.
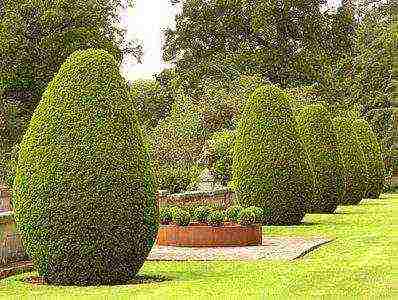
(200, 214)
(270, 166)
(352, 159)
(316, 132)
(84, 193)
(215, 218)
(258, 213)
(181, 217)
(247, 217)
(232, 213)
(165, 215)
(373, 159)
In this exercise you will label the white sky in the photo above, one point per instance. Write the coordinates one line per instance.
(145, 22)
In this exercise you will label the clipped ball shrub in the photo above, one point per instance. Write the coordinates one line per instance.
(373, 158)
(165, 215)
(258, 213)
(270, 167)
(352, 159)
(232, 213)
(314, 124)
(200, 213)
(247, 217)
(215, 218)
(84, 191)
(181, 217)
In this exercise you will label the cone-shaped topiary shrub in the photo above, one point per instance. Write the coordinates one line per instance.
(84, 193)
(373, 159)
(315, 126)
(352, 159)
(270, 167)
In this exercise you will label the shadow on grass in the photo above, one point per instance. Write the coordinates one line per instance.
(139, 279)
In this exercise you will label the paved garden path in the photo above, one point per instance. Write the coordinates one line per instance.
(273, 248)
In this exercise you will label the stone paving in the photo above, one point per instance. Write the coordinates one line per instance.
(272, 248)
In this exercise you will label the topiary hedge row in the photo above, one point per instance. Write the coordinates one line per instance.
(270, 167)
(316, 131)
(372, 156)
(84, 192)
(352, 160)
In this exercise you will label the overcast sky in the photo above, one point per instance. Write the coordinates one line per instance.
(145, 22)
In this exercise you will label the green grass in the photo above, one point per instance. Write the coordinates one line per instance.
(358, 264)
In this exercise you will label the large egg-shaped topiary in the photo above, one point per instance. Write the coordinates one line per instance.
(373, 159)
(315, 126)
(352, 159)
(84, 193)
(270, 167)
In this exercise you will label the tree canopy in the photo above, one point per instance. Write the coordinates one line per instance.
(281, 40)
(36, 36)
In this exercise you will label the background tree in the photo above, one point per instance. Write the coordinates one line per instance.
(152, 102)
(35, 38)
(268, 37)
(364, 78)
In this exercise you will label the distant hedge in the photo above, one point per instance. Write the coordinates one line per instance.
(352, 158)
(316, 132)
(84, 191)
(373, 158)
(270, 167)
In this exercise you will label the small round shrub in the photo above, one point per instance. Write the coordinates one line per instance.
(258, 213)
(181, 217)
(352, 159)
(232, 213)
(200, 214)
(315, 127)
(166, 215)
(270, 166)
(247, 217)
(373, 159)
(215, 218)
(84, 193)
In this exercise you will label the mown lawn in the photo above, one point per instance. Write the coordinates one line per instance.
(361, 263)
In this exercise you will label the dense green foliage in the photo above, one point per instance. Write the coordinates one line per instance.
(176, 178)
(315, 127)
(247, 217)
(165, 215)
(363, 250)
(181, 217)
(152, 102)
(84, 190)
(201, 213)
(215, 218)
(36, 36)
(373, 159)
(223, 143)
(352, 159)
(232, 213)
(364, 76)
(280, 40)
(270, 166)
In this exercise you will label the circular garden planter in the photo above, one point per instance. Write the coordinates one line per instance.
(201, 235)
